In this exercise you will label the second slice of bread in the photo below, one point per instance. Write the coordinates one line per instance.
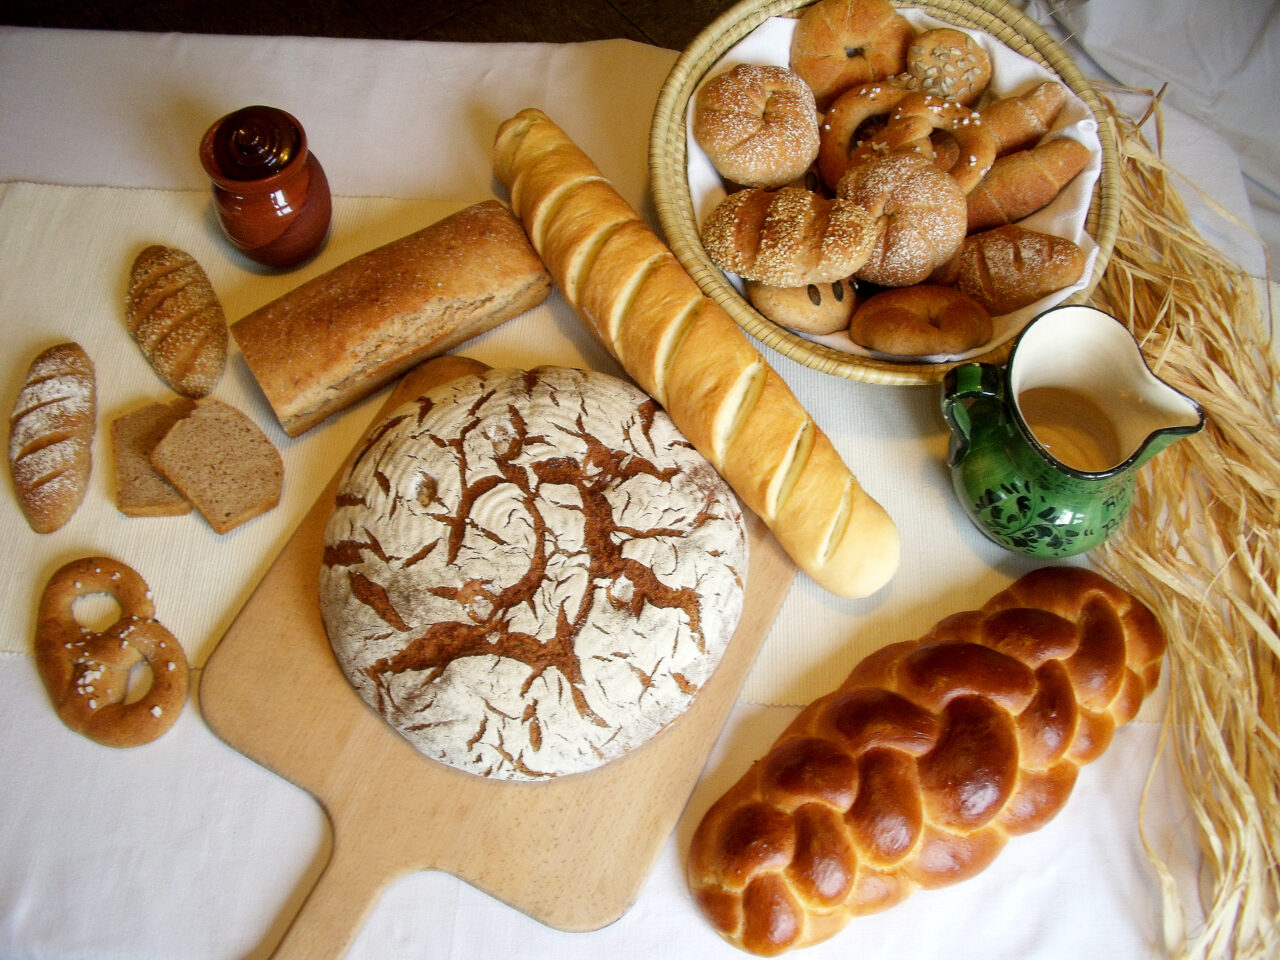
(222, 462)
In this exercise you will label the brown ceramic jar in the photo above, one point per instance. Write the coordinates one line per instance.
(270, 192)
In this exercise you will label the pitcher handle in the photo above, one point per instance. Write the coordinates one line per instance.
(968, 381)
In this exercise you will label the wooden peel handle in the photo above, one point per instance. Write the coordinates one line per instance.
(336, 907)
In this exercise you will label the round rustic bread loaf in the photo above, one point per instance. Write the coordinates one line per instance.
(530, 573)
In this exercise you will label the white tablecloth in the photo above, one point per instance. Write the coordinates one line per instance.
(183, 848)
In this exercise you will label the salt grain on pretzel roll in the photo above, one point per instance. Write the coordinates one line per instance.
(933, 752)
(689, 355)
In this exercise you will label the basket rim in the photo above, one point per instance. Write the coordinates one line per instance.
(674, 206)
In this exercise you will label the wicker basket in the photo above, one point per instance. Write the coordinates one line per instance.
(674, 205)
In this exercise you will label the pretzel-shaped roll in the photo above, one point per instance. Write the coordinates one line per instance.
(915, 118)
(852, 120)
(933, 752)
(87, 672)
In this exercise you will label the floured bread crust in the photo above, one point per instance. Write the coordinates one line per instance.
(530, 573)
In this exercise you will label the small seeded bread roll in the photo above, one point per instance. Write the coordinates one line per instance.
(950, 64)
(175, 316)
(51, 436)
(757, 124)
(222, 462)
(817, 308)
(923, 214)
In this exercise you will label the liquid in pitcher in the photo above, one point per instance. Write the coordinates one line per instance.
(1073, 428)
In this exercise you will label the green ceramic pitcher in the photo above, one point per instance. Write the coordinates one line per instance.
(1044, 450)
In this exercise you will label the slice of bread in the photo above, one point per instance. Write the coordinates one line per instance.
(222, 462)
(140, 490)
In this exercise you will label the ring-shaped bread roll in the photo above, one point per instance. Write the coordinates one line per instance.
(757, 124)
(921, 212)
(921, 321)
(915, 118)
(86, 672)
(855, 117)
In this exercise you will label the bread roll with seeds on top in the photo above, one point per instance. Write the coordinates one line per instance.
(789, 237)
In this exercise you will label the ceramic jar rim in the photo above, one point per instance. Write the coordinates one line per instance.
(260, 183)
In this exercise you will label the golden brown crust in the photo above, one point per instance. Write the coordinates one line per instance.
(1009, 267)
(924, 320)
(757, 124)
(853, 119)
(911, 126)
(51, 432)
(343, 334)
(839, 44)
(1016, 123)
(817, 308)
(922, 210)
(687, 353)
(177, 320)
(788, 237)
(86, 673)
(1020, 183)
(915, 772)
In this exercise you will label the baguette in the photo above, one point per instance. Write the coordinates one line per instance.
(51, 435)
(689, 355)
(340, 336)
(1019, 184)
(916, 770)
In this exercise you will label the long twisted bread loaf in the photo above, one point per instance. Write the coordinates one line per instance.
(689, 355)
(925, 761)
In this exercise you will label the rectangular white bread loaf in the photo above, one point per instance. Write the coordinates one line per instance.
(689, 355)
(338, 337)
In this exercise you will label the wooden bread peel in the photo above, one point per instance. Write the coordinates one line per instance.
(571, 853)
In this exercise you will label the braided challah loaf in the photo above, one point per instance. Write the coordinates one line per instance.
(686, 352)
(933, 752)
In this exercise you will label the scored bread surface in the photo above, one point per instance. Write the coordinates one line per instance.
(530, 573)
(51, 432)
(176, 318)
(685, 351)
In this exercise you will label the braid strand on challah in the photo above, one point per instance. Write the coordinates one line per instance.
(916, 770)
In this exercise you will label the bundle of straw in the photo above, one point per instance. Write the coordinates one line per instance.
(1202, 548)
